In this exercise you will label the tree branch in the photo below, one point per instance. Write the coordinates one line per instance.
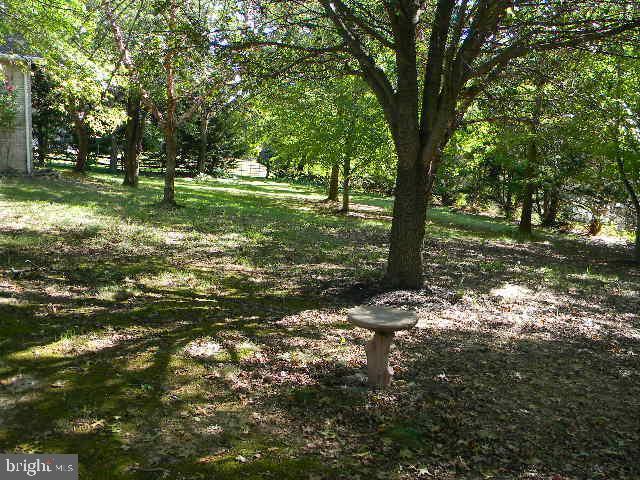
(128, 62)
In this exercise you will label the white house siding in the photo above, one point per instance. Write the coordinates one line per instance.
(16, 142)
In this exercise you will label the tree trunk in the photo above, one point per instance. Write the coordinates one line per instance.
(82, 134)
(551, 205)
(169, 124)
(113, 154)
(134, 131)
(333, 183)
(346, 179)
(595, 224)
(508, 206)
(43, 145)
(633, 196)
(636, 254)
(527, 209)
(525, 226)
(404, 269)
(171, 140)
(204, 142)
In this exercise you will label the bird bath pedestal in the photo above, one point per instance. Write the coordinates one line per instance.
(384, 322)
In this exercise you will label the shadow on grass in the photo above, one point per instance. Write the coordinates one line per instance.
(95, 340)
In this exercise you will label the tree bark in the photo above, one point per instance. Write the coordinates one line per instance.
(404, 268)
(170, 130)
(334, 180)
(170, 122)
(526, 225)
(82, 134)
(134, 132)
(171, 141)
(346, 179)
(636, 255)
(204, 141)
(633, 196)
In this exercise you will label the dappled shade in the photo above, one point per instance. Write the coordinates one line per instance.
(211, 341)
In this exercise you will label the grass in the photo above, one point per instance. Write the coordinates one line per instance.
(210, 341)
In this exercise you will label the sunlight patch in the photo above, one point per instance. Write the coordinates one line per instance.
(174, 238)
(511, 292)
(73, 344)
(202, 348)
(171, 279)
(20, 383)
(81, 425)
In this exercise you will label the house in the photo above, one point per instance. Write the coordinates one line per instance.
(16, 145)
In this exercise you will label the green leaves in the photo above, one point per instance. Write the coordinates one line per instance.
(316, 123)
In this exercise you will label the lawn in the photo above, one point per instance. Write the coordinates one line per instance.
(210, 341)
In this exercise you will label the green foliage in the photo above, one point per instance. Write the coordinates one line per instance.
(225, 141)
(48, 120)
(69, 47)
(312, 126)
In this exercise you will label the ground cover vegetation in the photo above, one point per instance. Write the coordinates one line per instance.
(477, 162)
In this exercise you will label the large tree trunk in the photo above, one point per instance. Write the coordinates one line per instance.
(334, 180)
(82, 135)
(346, 180)
(404, 269)
(204, 141)
(134, 132)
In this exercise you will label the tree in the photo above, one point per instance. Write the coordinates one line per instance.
(167, 58)
(626, 136)
(614, 88)
(459, 46)
(81, 79)
(134, 132)
(207, 141)
(47, 118)
(328, 127)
